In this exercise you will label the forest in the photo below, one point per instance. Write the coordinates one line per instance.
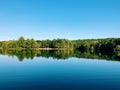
(104, 46)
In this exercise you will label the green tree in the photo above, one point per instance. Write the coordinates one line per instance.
(117, 50)
(33, 43)
(21, 42)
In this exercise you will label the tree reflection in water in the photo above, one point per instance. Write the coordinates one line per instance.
(59, 54)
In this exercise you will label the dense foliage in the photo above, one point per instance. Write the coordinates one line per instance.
(108, 48)
(108, 45)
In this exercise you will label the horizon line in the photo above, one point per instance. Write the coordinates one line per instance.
(63, 38)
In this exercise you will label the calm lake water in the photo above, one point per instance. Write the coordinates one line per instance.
(51, 74)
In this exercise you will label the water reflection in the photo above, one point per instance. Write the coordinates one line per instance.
(59, 54)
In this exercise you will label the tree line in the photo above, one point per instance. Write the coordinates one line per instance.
(107, 45)
(23, 43)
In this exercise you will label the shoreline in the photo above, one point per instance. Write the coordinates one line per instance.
(37, 48)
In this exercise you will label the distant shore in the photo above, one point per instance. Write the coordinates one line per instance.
(38, 48)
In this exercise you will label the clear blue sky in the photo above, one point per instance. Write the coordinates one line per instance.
(48, 19)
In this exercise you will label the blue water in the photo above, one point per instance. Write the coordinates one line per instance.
(51, 74)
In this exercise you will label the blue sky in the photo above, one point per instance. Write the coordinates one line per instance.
(48, 19)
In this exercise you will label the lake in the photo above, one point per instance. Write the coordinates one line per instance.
(60, 72)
